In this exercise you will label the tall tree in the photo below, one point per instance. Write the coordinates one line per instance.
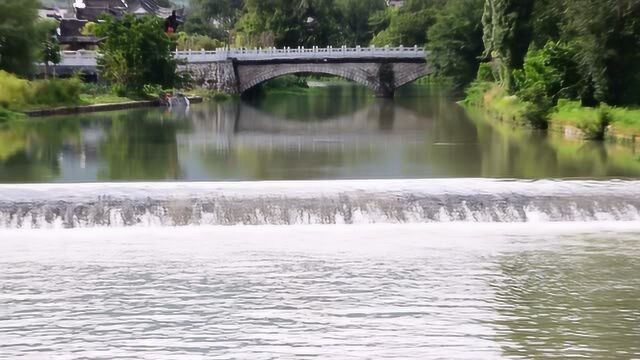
(136, 52)
(606, 34)
(408, 25)
(507, 35)
(354, 19)
(288, 23)
(17, 35)
(455, 41)
(213, 18)
(49, 49)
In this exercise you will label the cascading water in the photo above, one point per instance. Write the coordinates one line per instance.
(316, 202)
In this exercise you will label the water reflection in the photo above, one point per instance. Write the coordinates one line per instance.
(334, 132)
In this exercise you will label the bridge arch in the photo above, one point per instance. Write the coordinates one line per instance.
(360, 75)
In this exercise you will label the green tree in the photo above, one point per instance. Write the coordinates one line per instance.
(548, 74)
(507, 35)
(407, 25)
(17, 35)
(49, 49)
(455, 41)
(606, 34)
(356, 28)
(547, 21)
(288, 23)
(136, 52)
(215, 19)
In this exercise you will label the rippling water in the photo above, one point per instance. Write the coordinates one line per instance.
(478, 291)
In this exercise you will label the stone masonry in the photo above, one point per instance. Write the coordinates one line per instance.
(383, 77)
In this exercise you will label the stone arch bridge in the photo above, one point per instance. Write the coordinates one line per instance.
(383, 70)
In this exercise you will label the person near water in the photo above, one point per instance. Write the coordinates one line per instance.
(171, 23)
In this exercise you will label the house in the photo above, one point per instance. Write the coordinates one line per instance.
(85, 11)
(92, 9)
(395, 3)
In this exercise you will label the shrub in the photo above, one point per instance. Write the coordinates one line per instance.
(7, 116)
(286, 82)
(56, 92)
(476, 91)
(153, 91)
(485, 73)
(197, 42)
(548, 74)
(14, 91)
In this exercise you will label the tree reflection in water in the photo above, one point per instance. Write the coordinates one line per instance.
(337, 132)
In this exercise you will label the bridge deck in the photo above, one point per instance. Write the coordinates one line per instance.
(87, 59)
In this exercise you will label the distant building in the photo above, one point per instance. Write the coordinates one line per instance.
(395, 3)
(85, 11)
(91, 10)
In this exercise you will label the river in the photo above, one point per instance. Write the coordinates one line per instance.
(419, 232)
(338, 132)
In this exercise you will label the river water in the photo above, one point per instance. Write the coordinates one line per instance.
(338, 132)
(404, 241)
(483, 291)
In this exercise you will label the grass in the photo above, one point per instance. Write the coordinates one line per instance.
(625, 120)
(591, 121)
(595, 123)
(208, 94)
(7, 116)
(87, 99)
(598, 122)
(495, 100)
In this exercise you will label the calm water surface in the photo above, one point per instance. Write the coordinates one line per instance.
(338, 132)
(420, 291)
(361, 292)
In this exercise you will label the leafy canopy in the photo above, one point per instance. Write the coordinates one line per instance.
(136, 52)
(17, 35)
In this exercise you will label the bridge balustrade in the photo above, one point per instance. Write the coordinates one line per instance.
(84, 58)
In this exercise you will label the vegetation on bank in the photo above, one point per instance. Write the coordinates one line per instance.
(562, 65)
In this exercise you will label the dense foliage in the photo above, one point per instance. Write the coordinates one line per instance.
(136, 52)
(49, 49)
(455, 41)
(507, 33)
(18, 42)
(20, 94)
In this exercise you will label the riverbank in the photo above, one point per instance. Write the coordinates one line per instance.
(569, 118)
(66, 110)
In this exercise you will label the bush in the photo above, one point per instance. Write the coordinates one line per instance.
(56, 92)
(485, 73)
(197, 42)
(17, 94)
(153, 91)
(476, 91)
(7, 116)
(548, 74)
(96, 89)
(286, 82)
(14, 91)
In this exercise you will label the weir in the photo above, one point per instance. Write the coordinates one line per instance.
(316, 202)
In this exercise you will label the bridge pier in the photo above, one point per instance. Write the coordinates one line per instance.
(385, 93)
(385, 82)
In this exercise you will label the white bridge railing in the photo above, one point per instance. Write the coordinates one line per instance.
(84, 58)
